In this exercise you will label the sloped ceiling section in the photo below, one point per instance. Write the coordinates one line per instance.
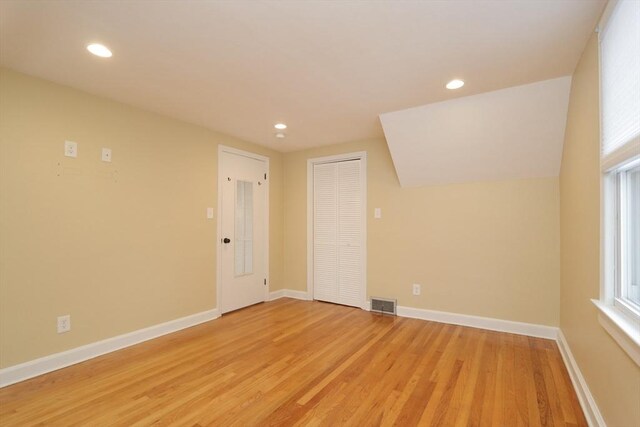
(513, 133)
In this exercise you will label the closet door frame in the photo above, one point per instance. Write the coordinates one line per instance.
(362, 156)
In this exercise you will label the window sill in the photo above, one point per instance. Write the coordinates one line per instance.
(625, 331)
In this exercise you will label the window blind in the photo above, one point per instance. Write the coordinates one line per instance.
(620, 79)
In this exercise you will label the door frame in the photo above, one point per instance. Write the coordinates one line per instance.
(359, 155)
(226, 149)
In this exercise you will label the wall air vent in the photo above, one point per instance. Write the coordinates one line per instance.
(383, 305)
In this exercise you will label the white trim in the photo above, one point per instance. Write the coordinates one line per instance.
(302, 295)
(604, 19)
(623, 155)
(489, 323)
(622, 329)
(587, 402)
(608, 236)
(359, 155)
(227, 149)
(520, 328)
(53, 362)
(289, 293)
(276, 294)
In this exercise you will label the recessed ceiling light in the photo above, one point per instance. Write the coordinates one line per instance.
(280, 126)
(99, 50)
(455, 84)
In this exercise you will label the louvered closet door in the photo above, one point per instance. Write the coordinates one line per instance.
(338, 233)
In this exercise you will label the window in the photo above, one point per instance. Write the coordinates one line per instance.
(244, 228)
(632, 251)
(626, 253)
(619, 302)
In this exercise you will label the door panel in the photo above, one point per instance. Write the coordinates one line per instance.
(325, 285)
(325, 233)
(349, 278)
(338, 232)
(243, 231)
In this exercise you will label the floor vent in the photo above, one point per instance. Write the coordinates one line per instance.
(383, 305)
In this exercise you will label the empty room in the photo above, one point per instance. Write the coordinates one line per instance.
(320, 213)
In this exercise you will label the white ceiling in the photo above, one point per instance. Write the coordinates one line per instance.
(326, 68)
(512, 133)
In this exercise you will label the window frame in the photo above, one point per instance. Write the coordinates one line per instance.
(621, 281)
(620, 319)
(615, 315)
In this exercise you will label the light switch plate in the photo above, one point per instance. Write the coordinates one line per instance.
(70, 149)
(106, 154)
(209, 213)
(377, 213)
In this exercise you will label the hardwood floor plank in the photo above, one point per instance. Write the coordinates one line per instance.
(511, 414)
(304, 363)
(420, 385)
(470, 379)
(555, 403)
(406, 381)
(445, 377)
(568, 401)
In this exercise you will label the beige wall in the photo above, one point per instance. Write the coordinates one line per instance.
(614, 379)
(118, 246)
(488, 249)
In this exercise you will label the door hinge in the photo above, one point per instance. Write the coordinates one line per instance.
(265, 176)
(265, 282)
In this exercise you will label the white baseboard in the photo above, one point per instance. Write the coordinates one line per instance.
(297, 294)
(288, 293)
(520, 328)
(587, 402)
(43, 365)
(276, 294)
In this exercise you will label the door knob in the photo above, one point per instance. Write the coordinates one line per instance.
(226, 240)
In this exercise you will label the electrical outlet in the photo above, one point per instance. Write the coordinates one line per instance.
(70, 149)
(416, 289)
(64, 323)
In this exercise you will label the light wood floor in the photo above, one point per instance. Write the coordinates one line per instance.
(292, 362)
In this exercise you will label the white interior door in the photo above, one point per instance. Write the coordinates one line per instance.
(243, 225)
(338, 232)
